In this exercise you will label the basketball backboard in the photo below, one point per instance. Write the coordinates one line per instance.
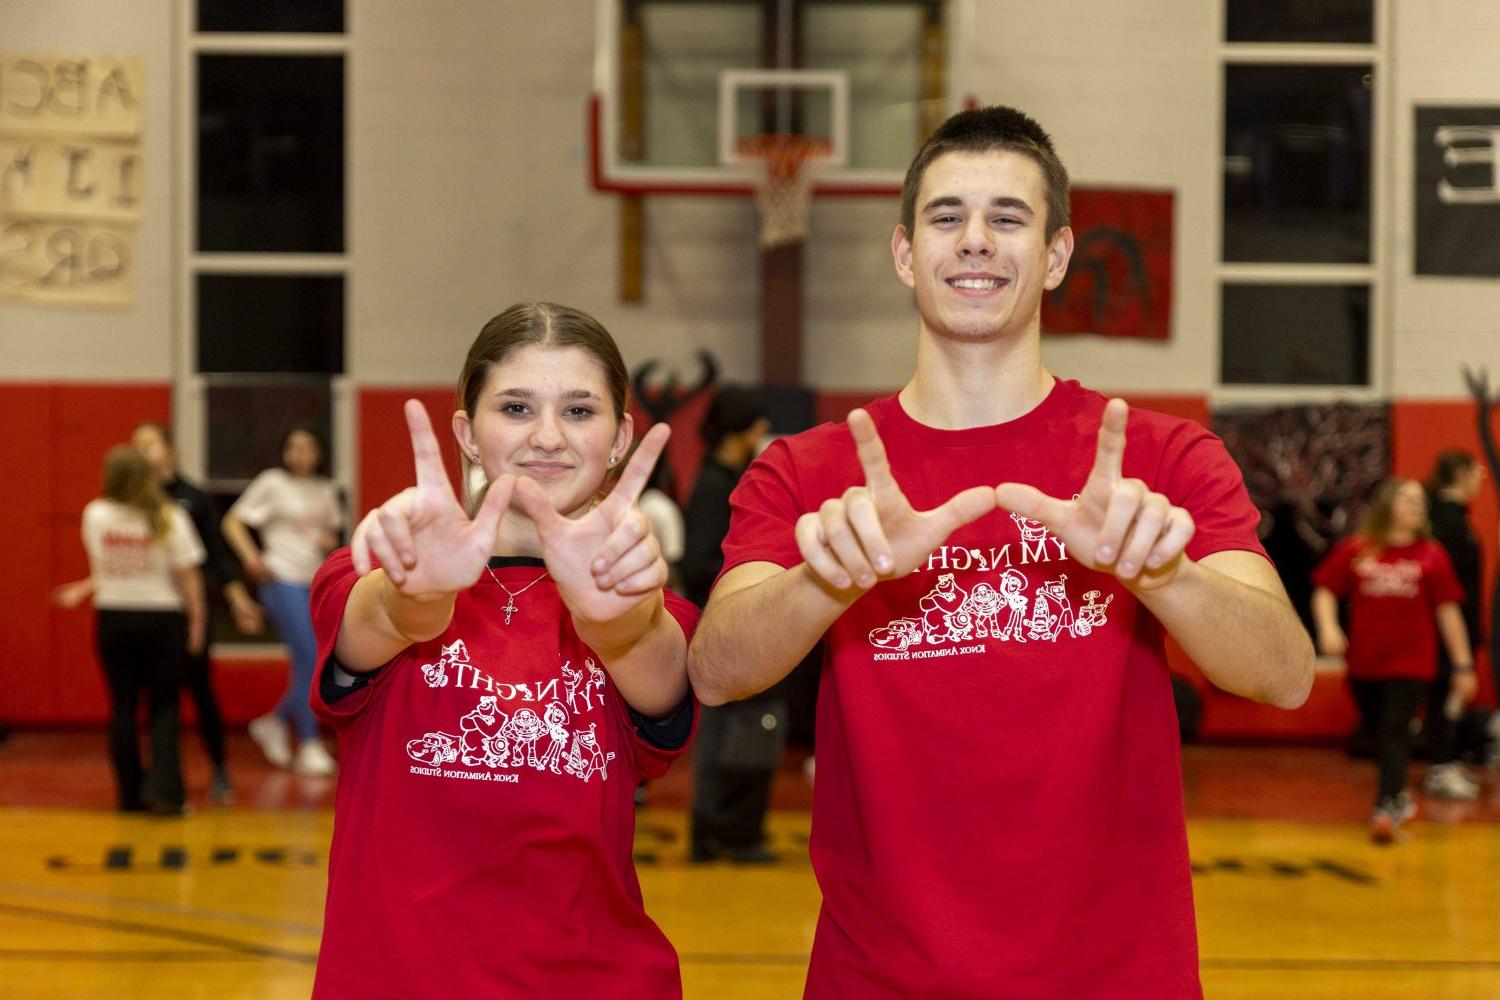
(680, 84)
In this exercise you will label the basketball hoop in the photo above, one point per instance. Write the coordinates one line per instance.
(786, 166)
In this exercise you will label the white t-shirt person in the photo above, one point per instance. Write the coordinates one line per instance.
(132, 570)
(298, 519)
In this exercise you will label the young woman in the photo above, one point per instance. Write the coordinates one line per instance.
(501, 679)
(296, 510)
(148, 591)
(1402, 595)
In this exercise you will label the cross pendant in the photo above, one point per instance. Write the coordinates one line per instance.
(510, 607)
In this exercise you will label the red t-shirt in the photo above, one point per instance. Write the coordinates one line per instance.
(998, 811)
(485, 811)
(1392, 595)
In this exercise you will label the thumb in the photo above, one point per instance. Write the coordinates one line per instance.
(487, 519)
(1028, 501)
(535, 504)
(970, 505)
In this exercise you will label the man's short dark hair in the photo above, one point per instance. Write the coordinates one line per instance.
(984, 130)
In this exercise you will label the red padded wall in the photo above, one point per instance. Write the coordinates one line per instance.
(54, 437)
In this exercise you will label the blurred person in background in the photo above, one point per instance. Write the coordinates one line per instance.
(148, 593)
(667, 522)
(1453, 484)
(297, 512)
(1402, 595)
(739, 744)
(154, 442)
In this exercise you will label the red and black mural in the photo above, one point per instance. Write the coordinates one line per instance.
(1119, 283)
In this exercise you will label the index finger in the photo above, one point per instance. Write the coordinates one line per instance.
(424, 447)
(637, 472)
(871, 451)
(1109, 457)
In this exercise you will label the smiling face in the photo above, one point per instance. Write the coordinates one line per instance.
(978, 256)
(546, 413)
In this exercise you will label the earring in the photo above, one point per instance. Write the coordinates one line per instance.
(474, 458)
(613, 459)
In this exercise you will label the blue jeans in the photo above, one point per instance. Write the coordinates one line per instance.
(288, 606)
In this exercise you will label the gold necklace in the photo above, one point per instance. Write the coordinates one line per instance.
(511, 595)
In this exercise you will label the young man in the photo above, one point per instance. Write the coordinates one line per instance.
(997, 815)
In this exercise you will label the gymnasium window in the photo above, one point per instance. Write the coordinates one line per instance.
(1300, 250)
(265, 263)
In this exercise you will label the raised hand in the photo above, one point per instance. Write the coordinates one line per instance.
(1115, 524)
(422, 537)
(871, 532)
(607, 561)
(1478, 383)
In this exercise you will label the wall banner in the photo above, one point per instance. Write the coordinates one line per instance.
(1457, 198)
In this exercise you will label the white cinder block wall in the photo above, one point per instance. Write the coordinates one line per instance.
(1447, 53)
(468, 190)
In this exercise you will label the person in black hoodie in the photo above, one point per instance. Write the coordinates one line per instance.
(740, 744)
(154, 442)
(1453, 484)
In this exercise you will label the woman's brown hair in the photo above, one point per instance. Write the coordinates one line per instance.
(129, 479)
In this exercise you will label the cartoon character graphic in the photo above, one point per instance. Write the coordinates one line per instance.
(524, 729)
(575, 689)
(1031, 530)
(477, 728)
(436, 674)
(435, 749)
(595, 685)
(984, 605)
(584, 757)
(903, 633)
(1092, 614)
(556, 721)
(1013, 591)
(1062, 620)
(943, 617)
(1039, 625)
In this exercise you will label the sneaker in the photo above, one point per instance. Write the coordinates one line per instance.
(314, 760)
(1448, 781)
(220, 791)
(1405, 809)
(756, 855)
(1383, 825)
(271, 735)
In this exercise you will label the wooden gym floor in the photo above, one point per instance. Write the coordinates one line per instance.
(1293, 901)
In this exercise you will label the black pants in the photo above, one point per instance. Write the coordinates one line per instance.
(734, 759)
(143, 651)
(200, 686)
(1386, 708)
(1440, 733)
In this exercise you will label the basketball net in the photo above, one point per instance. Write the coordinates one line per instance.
(786, 168)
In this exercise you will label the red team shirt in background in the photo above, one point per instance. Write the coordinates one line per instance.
(998, 811)
(485, 812)
(1392, 594)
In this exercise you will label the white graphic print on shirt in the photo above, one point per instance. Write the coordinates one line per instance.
(1400, 578)
(997, 606)
(502, 744)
